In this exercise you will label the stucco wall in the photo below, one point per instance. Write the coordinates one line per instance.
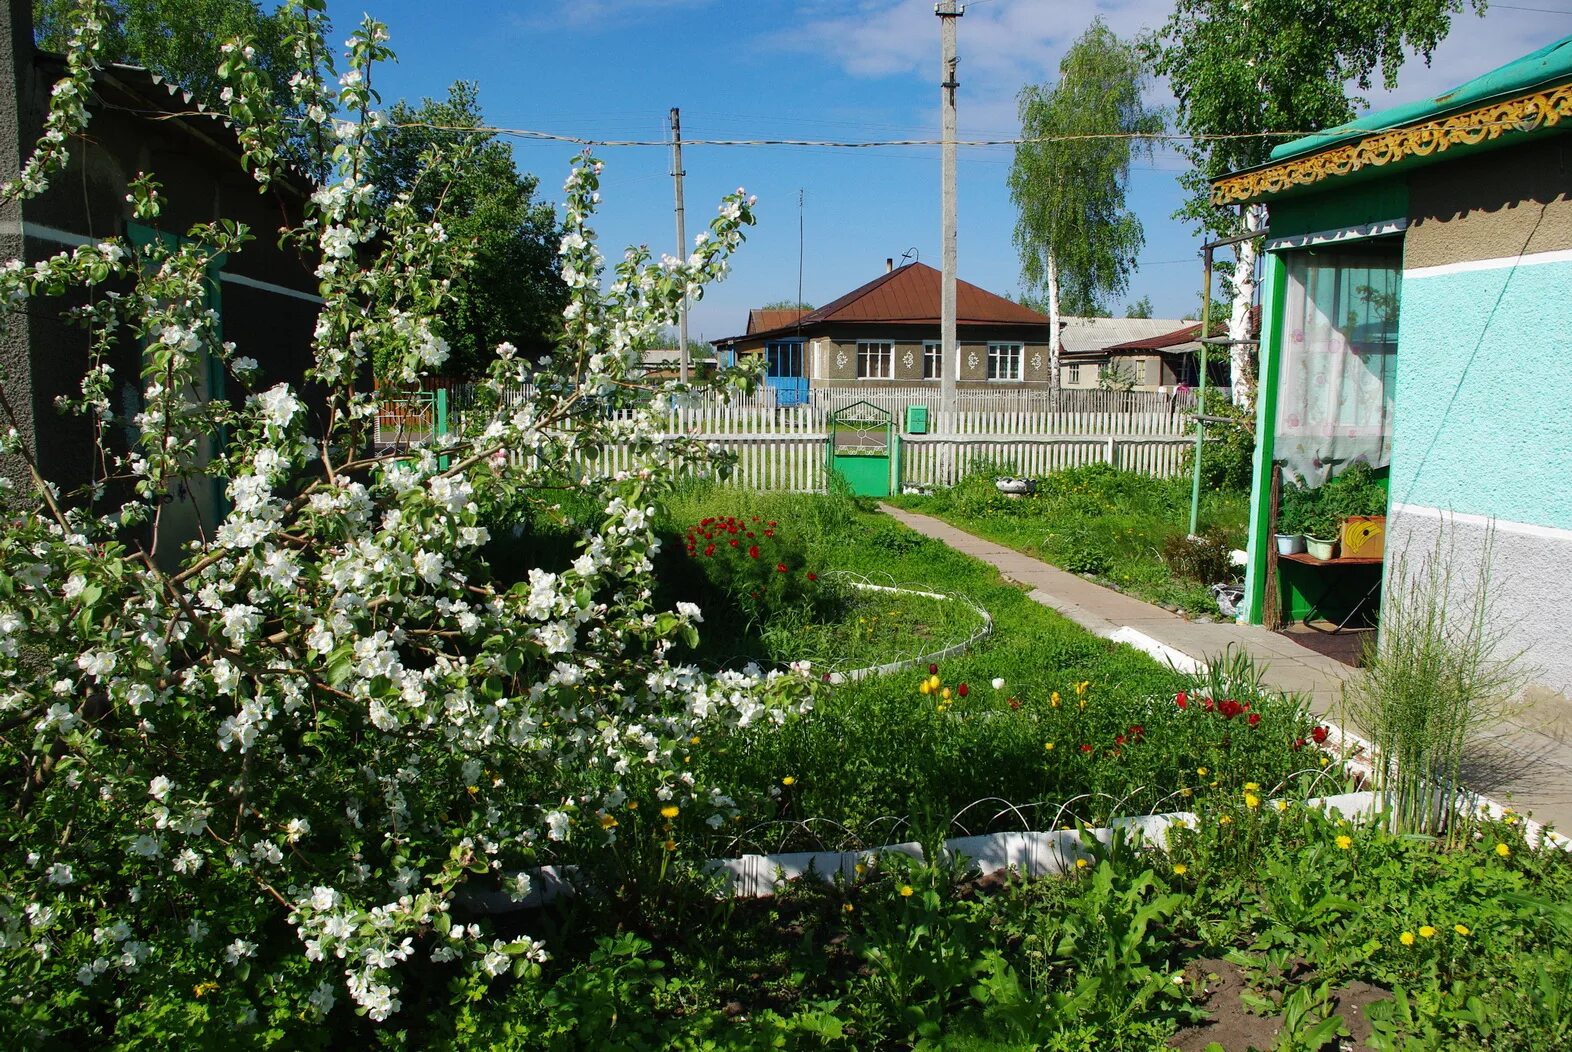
(1529, 570)
(1482, 419)
(1509, 202)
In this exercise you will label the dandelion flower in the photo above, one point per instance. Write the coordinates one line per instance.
(945, 693)
(1053, 699)
(1201, 771)
(1080, 863)
(670, 811)
(1181, 869)
(1048, 746)
(924, 688)
(1252, 787)
(1225, 820)
(1344, 842)
(906, 891)
(1252, 801)
(788, 781)
(1282, 805)
(1503, 850)
(669, 845)
(1462, 929)
(848, 907)
(1407, 938)
(608, 821)
(1426, 931)
(1080, 688)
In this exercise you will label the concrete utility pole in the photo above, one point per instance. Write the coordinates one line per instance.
(682, 237)
(949, 354)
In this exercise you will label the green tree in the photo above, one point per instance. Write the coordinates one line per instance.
(512, 291)
(178, 39)
(787, 305)
(1249, 73)
(1141, 308)
(1076, 239)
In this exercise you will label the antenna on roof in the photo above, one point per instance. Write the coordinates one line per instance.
(910, 253)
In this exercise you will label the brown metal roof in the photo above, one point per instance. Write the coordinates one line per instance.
(908, 295)
(762, 320)
(911, 294)
(1187, 335)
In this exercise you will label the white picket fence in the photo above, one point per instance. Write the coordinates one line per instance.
(786, 448)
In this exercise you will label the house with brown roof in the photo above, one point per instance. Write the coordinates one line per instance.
(886, 334)
(1165, 356)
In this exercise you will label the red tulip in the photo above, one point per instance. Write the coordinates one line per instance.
(963, 690)
(933, 670)
(1299, 743)
(753, 551)
(1182, 700)
(1255, 718)
(1319, 735)
(1086, 748)
(813, 576)
(709, 549)
(1118, 739)
(732, 542)
(1137, 731)
(780, 567)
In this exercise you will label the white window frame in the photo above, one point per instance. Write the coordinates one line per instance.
(1011, 354)
(1072, 376)
(933, 351)
(871, 352)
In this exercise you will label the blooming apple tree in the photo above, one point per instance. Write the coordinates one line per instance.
(264, 770)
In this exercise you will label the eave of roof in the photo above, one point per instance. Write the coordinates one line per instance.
(1528, 95)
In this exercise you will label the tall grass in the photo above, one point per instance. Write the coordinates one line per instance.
(1433, 679)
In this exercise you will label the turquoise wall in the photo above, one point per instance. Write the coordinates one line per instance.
(1484, 403)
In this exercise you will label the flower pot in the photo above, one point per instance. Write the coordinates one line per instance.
(1290, 543)
(1016, 487)
(1321, 549)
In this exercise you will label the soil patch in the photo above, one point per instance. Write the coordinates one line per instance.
(1236, 1029)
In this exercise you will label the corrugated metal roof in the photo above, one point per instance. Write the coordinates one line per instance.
(1184, 339)
(1081, 335)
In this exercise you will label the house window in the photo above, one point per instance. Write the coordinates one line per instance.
(875, 360)
(1004, 361)
(932, 360)
(1073, 376)
(1338, 357)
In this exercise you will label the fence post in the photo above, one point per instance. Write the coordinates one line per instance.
(1110, 453)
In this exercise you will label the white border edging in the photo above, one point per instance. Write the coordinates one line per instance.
(957, 649)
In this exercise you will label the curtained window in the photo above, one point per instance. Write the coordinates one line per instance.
(1338, 358)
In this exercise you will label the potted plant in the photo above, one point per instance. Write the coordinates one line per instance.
(1359, 501)
(1291, 510)
(1320, 526)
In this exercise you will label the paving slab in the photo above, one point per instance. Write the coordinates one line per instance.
(1527, 763)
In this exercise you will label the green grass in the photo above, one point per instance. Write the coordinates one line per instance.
(877, 760)
(1113, 525)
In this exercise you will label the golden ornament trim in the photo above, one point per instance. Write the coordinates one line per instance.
(1526, 113)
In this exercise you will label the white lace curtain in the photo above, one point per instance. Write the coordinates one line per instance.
(1338, 359)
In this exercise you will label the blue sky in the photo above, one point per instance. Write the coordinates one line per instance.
(847, 70)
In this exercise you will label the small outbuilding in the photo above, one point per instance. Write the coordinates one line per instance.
(1416, 320)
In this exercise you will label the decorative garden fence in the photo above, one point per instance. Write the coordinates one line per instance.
(784, 448)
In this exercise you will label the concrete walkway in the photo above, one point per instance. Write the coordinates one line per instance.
(1528, 765)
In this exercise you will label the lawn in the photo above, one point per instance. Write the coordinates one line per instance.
(1121, 528)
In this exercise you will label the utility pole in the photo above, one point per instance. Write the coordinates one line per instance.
(682, 238)
(949, 354)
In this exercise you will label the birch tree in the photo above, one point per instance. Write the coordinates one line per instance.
(1249, 74)
(1076, 239)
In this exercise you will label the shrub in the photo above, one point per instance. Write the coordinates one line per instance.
(1228, 460)
(1207, 558)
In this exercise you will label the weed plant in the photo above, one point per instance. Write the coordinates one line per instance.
(1431, 681)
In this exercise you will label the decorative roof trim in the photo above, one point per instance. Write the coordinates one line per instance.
(1525, 113)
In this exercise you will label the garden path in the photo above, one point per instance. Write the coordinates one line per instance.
(1528, 763)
